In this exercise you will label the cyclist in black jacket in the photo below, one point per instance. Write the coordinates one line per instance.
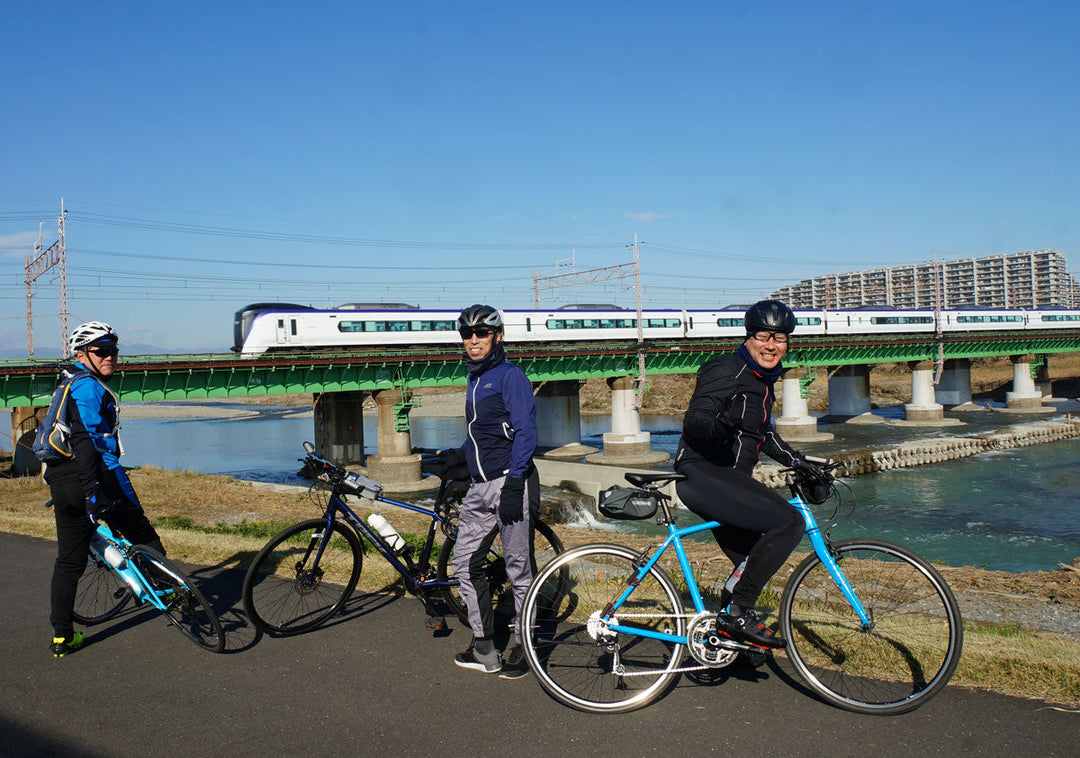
(728, 424)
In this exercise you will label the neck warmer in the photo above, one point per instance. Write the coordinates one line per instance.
(491, 360)
(769, 375)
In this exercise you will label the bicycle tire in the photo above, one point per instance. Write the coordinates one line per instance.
(284, 595)
(908, 654)
(568, 650)
(186, 608)
(546, 546)
(100, 594)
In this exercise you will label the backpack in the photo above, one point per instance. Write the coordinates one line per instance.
(52, 444)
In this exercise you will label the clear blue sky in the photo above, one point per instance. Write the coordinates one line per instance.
(216, 154)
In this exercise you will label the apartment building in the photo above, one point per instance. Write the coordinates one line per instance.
(1033, 279)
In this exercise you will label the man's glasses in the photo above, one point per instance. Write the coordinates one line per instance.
(104, 352)
(779, 338)
(481, 332)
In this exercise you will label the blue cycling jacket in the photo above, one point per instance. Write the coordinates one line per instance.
(500, 418)
(97, 409)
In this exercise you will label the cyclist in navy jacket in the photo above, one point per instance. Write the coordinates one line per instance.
(728, 424)
(92, 485)
(500, 418)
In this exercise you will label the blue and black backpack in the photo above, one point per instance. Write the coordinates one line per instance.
(52, 444)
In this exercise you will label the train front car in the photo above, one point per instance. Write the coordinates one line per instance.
(269, 318)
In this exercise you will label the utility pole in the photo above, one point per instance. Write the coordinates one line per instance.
(639, 395)
(36, 266)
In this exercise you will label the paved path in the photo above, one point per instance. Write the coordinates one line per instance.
(376, 683)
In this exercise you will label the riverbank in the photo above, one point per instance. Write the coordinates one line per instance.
(1022, 630)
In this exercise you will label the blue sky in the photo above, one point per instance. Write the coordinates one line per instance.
(216, 154)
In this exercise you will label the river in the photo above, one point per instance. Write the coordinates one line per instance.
(1015, 510)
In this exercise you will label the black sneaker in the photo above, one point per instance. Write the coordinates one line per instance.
(489, 664)
(61, 646)
(514, 666)
(743, 624)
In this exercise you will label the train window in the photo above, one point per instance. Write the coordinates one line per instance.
(397, 326)
(661, 323)
(528, 324)
(808, 321)
(292, 326)
(733, 322)
(901, 320)
(988, 319)
(1060, 317)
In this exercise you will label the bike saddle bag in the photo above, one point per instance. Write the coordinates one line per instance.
(627, 503)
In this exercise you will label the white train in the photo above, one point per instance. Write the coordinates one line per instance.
(284, 326)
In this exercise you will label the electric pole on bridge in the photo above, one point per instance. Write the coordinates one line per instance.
(37, 266)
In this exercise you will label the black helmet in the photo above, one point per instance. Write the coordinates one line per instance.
(769, 316)
(480, 315)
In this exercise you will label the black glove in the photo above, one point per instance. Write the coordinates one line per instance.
(99, 505)
(810, 470)
(512, 500)
(728, 420)
(449, 464)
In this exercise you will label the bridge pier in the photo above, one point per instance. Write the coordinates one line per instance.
(954, 387)
(795, 422)
(395, 466)
(558, 419)
(1042, 378)
(923, 406)
(849, 391)
(1025, 395)
(339, 426)
(626, 444)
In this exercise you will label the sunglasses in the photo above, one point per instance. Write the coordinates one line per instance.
(104, 352)
(481, 332)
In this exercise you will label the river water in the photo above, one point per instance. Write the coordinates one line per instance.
(1015, 510)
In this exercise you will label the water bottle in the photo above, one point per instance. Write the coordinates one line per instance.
(107, 550)
(387, 531)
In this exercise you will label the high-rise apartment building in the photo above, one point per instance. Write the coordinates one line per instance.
(1035, 279)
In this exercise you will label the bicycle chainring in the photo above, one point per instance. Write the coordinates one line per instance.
(706, 646)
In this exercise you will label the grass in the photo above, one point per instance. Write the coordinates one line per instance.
(218, 521)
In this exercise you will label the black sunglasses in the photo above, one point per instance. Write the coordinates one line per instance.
(104, 352)
(481, 332)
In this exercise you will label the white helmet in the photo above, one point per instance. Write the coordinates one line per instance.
(91, 332)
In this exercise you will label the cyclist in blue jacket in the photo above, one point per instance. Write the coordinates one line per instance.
(500, 417)
(92, 485)
(728, 424)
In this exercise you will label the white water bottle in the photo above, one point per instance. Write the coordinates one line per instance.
(387, 531)
(107, 550)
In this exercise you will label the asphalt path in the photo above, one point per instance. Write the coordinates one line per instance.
(375, 682)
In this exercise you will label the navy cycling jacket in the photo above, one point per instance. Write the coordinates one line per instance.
(500, 419)
(728, 389)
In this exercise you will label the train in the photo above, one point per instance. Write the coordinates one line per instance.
(262, 327)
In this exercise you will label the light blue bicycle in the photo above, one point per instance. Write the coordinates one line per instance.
(871, 627)
(118, 571)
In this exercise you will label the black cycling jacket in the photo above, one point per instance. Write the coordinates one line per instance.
(729, 419)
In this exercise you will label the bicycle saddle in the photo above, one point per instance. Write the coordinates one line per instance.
(640, 480)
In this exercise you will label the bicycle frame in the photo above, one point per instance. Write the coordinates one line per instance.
(414, 580)
(143, 591)
(674, 538)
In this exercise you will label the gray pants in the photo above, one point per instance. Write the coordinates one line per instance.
(478, 524)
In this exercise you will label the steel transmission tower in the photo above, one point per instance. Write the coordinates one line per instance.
(37, 266)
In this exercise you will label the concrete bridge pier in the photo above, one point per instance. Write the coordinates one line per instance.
(1025, 395)
(954, 387)
(849, 393)
(558, 419)
(1042, 378)
(339, 426)
(795, 421)
(626, 444)
(923, 407)
(395, 466)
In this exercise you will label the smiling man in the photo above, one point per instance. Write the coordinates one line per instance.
(728, 424)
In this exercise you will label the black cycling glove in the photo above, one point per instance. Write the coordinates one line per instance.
(512, 500)
(810, 470)
(99, 505)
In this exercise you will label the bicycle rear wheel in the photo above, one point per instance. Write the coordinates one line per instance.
(101, 593)
(290, 588)
(906, 655)
(546, 545)
(576, 658)
(185, 606)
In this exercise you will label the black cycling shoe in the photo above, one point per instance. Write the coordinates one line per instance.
(743, 624)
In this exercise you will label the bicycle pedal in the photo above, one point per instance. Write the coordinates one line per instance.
(436, 624)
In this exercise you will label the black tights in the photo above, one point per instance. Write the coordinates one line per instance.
(757, 524)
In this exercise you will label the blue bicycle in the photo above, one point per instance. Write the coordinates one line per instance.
(871, 627)
(118, 571)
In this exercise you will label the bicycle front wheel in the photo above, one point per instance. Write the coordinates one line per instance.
(302, 577)
(901, 659)
(101, 593)
(576, 657)
(546, 545)
(185, 606)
